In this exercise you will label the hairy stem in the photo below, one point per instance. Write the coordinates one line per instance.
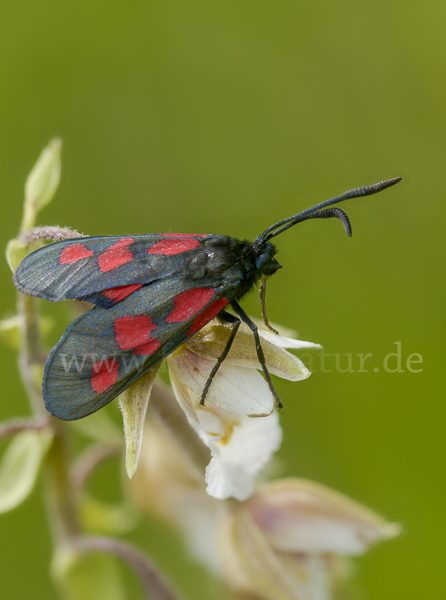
(62, 498)
(49, 233)
(16, 425)
(62, 513)
(30, 352)
(62, 488)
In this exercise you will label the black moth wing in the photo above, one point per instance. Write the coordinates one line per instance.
(105, 351)
(83, 268)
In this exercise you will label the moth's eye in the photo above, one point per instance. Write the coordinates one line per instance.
(263, 260)
(267, 264)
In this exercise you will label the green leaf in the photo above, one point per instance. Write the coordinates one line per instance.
(20, 465)
(92, 576)
(42, 183)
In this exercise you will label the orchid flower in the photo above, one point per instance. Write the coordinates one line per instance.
(240, 445)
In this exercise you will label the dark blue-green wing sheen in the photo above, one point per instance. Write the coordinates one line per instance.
(106, 350)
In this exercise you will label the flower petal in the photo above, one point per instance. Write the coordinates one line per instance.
(302, 516)
(210, 342)
(183, 397)
(239, 457)
(243, 391)
(215, 425)
(283, 331)
(287, 342)
(249, 562)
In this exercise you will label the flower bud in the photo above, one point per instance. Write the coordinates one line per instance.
(42, 183)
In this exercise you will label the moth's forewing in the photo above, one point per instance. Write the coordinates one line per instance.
(80, 268)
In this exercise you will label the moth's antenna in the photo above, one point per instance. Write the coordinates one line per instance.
(327, 214)
(315, 212)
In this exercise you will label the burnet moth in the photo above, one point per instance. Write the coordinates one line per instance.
(152, 293)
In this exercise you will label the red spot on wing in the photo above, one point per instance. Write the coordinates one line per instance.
(105, 374)
(176, 246)
(73, 253)
(134, 332)
(148, 348)
(116, 255)
(207, 315)
(181, 235)
(119, 293)
(188, 303)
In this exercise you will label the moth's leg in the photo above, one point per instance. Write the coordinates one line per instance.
(262, 299)
(253, 327)
(225, 316)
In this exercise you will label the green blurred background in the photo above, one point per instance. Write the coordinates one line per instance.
(224, 118)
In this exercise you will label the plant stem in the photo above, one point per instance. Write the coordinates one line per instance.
(167, 409)
(16, 425)
(30, 352)
(154, 585)
(62, 513)
(89, 460)
(61, 495)
(61, 489)
(49, 233)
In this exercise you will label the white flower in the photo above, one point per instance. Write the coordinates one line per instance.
(240, 445)
(239, 453)
(288, 540)
(292, 538)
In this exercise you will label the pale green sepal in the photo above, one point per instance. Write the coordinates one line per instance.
(42, 183)
(92, 576)
(100, 427)
(106, 519)
(15, 253)
(133, 403)
(20, 465)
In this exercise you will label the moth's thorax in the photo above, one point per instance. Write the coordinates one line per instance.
(223, 257)
(214, 256)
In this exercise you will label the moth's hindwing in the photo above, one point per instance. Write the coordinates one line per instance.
(102, 270)
(106, 350)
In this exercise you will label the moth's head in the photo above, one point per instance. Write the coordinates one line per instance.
(265, 261)
(319, 211)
